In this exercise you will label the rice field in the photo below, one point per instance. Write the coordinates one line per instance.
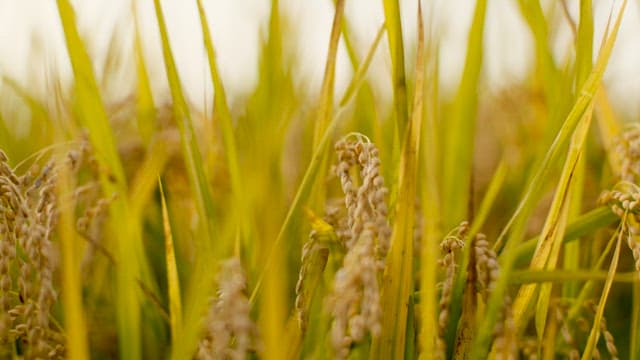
(330, 226)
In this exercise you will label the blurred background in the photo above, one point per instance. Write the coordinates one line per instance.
(32, 50)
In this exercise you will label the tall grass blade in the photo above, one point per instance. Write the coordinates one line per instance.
(584, 43)
(184, 122)
(564, 276)
(583, 225)
(146, 109)
(595, 328)
(430, 200)
(144, 182)
(326, 101)
(92, 114)
(544, 297)
(359, 76)
(143, 185)
(397, 285)
(609, 128)
(200, 284)
(75, 324)
(460, 131)
(587, 288)
(349, 45)
(547, 74)
(224, 115)
(393, 23)
(326, 93)
(90, 108)
(259, 137)
(550, 241)
(489, 198)
(173, 280)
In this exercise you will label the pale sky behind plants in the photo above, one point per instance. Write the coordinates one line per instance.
(32, 43)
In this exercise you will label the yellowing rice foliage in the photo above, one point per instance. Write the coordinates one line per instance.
(286, 226)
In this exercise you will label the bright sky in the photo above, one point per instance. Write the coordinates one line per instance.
(236, 27)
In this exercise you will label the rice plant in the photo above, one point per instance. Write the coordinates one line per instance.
(342, 225)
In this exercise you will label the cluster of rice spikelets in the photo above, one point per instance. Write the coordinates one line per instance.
(565, 331)
(335, 215)
(89, 226)
(365, 204)
(569, 331)
(606, 334)
(624, 201)
(487, 266)
(355, 302)
(484, 272)
(488, 272)
(624, 198)
(529, 348)
(230, 333)
(452, 243)
(314, 258)
(583, 325)
(28, 216)
(627, 148)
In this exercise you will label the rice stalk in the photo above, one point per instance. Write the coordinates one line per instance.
(393, 25)
(397, 280)
(430, 199)
(596, 327)
(173, 280)
(75, 317)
